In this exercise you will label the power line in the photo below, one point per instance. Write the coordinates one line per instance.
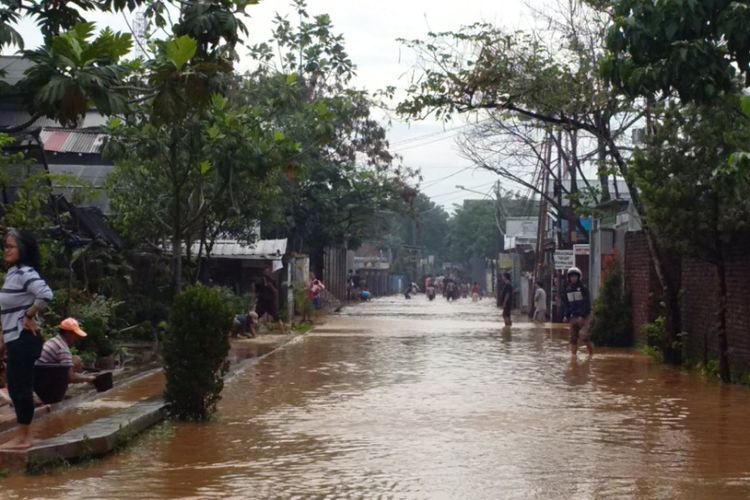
(461, 190)
(437, 181)
(429, 135)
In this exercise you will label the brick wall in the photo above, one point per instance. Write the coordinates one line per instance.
(641, 281)
(700, 304)
(699, 299)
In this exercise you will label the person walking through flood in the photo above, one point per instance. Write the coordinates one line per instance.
(506, 299)
(476, 292)
(451, 290)
(23, 296)
(577, 310)
(540, 303)
(429, 288)
(268, 297)
(314, 291)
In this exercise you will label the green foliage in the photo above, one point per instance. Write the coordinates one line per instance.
(472, 231)
(341, 180)
(238, 304)
(612, 324)
(709, 370)
(96, 315)
(654, 353)
(655, 332)
(692, 200)
(73, 71)
(195, 352)
(696, 49)
(431, 227)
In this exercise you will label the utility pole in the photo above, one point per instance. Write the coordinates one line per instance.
(542, 221)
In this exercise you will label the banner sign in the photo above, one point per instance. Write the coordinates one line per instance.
(581, 249)
(564, 259)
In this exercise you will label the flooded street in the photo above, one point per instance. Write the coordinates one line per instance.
(411, 399)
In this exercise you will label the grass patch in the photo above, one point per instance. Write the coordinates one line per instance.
(302, 327)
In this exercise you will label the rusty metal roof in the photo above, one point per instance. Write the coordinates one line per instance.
(62, 140)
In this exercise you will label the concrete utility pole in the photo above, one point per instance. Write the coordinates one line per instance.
(542, 221)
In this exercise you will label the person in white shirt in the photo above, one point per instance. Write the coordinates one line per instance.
(540, 303)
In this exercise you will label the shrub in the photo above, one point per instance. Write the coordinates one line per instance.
(612, 324)
(655, 332)
(195, 349)
(238, 304)
(95, 313)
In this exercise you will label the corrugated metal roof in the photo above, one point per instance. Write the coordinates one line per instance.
(95, 175)
(260, 250)
(14, 68)
(72, 140)
(92, 175)
(12, 117)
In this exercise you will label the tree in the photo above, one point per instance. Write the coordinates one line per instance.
(343, 177)
(699, 54)
(693, 199)
(195, 179)
(472, 232)
(553, 84)
(74, 70)
(698, 50)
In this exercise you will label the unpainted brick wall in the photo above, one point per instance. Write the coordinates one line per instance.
(641, 281)
(699, 300)
(700, 305)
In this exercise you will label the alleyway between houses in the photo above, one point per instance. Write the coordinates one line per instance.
(418, 399)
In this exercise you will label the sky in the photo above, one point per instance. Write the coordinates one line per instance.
(371, 30)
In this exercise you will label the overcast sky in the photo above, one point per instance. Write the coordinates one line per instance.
(370, 30)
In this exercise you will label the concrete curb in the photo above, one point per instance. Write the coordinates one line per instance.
(104, 435)
(91, 440)
(89, 395)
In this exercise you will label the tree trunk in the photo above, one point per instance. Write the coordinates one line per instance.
(670, 294)
(602, 171)
(669, 283)
(601, 150)
(721, 271)
(176, 262)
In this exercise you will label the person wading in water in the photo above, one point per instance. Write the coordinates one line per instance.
(577, 310)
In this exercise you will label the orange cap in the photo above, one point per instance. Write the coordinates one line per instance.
(71, 325)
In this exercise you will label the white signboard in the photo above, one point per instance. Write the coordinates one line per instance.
(564, 259)
(581, 249)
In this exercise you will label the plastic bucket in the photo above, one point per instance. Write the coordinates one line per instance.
(103, 381)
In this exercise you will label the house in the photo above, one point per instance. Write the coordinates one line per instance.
(73, 156)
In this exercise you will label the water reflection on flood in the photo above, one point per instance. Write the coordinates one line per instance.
(434, 400)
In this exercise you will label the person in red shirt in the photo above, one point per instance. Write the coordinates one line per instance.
(476, 292)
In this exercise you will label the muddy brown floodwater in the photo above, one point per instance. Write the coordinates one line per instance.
(412, 399)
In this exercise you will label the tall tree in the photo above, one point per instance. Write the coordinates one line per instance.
(700, 55)
(521, 77)
(693, 201)
(344, 174)
(695, 49)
